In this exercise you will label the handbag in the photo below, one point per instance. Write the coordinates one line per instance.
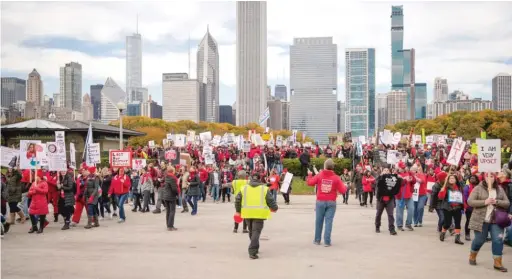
(501, 218)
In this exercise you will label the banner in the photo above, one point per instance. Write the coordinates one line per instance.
(120, 159)
(56, 157)
(93, 154)
(9, 157)
(138, 164)
(456, 152)
(489, 155)
(72, 156)
(31, 152)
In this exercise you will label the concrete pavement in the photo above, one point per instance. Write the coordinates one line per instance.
(205, 247)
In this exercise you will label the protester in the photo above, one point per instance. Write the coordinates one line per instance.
(39, 203)
(170, 191)
(388, 186)
(240, 182)
(119, 190)
(451, 198)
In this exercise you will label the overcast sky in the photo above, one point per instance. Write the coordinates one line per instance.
(466, 42)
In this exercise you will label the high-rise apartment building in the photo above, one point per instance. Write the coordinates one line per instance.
(180, 97)
(360, 91)
(35, 88)
(440, 89)
(151, 109)
(208, 77)
(96, 100)
(420, 100)
(281, 92)
(71, 86)
(13, 90)
(381, 113)
(502, 92)
(251, 60)
(447, 107)
(313, 87)
(134, 66)
(111, 96)
(397, 106)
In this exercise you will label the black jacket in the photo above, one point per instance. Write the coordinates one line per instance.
(304, 158)
(435, 202)
(69, 188)
(170, 189)
(388, 185)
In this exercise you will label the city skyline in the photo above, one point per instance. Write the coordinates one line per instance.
(454, 48)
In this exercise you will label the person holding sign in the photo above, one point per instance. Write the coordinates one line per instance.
(489, 204)
(452, 201)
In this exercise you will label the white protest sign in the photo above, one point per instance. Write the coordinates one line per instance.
(396, 138)
(56, 159)
(93, 154)
(456, 152)
(489, 155)
(191, 135)
(387, 137)
(151, 143)
(279, 141)
(120, 159)
(247, 146)
(362, 139)
(179, 140)
(205, 136)
(9, 157)
(72, 155)
(169, 137)
(42, 156)
(216, 140)
(138, 164)
(60, 140)
(429, 139)
(286, 182)
(29, 150)
(392, 157)
(416, 192)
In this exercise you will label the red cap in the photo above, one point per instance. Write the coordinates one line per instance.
(401, 165)
(441, 177)
(92, 169)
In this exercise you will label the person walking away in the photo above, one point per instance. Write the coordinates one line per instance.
(39, 203)
(357, 183)
(238, 183)
(137, 194)
(119, 189)
(14, 190)
(451, 203)
(419, 206)
(146, 187)
(368, 181)
(184, 188)
(170, 193)
(404, 198)
(254, 204)
(67, 187)
(193, 192)
(345, 178)
(468, 210)
(304, 163)
(91, 194)
(388, 185)
(328, 184)
(286, 196)
(487, 199)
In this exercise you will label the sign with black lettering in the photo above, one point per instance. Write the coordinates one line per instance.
(489, 155)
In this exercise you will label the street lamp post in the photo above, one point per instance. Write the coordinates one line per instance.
(121, 106)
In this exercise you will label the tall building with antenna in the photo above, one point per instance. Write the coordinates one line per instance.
(208, 77)
(134, 67)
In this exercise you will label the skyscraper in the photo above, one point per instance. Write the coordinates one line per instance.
(251, 60)
(502, 92)
(13, 90)
(35, 88)
(71, 86)
(313, 87)
(180, 97)
(226, 114)
(208, 77)
(133, 65)
(382, 111)
(397, 106)
(342, 113)
(111, 95)
(420, 101)
(440, 89)
(96, 100)
(87, 108)
(360, 91)
(281, 92)
(397, 44)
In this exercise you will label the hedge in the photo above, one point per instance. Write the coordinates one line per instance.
(294, 166)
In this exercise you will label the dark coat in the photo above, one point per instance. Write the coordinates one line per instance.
(92, 185)
(193, 185)
(170, 189)
(68, 187)
(14, 187)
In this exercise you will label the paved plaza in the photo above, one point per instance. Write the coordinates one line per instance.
(205, 247)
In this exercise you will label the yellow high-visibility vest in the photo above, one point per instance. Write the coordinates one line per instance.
(254, 204)
(237, 186)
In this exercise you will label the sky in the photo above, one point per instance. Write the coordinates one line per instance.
(466, 42)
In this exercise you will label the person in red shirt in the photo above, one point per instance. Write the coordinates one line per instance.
(203, 177)
(273, 182)
(328, 185)
(119, 188)
(404, 198)
(53, 193)
(368, 181)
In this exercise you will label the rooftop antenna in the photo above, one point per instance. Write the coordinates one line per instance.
(189, 54)
(137, 25)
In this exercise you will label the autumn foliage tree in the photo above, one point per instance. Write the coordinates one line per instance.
(157, 129)
(468, 125)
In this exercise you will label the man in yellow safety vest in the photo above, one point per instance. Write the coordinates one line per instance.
(254, 203)
(238, 183)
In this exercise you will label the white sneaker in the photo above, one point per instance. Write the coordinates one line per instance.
(110, 215)
(179, 206)
(101, 218)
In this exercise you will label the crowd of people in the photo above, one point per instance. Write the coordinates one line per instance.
(420, 177)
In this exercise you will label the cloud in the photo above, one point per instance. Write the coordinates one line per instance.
(468, 43)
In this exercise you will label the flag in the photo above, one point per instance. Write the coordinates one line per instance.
(88, 140)
(264, 116)
(483, 134)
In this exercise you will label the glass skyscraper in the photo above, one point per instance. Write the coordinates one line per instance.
(420, 100)
(397, 44)
(360, 91)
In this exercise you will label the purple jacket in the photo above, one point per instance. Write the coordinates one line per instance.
(466, 193)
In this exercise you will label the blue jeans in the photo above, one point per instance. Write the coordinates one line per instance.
(279, 168)
(440, 220)
(24, 201)
(419, 207)
(121, 199)
(400, 206)
(91, 209)
(496, 238)
(215, 192)
(274, 194)
(192, 201)
(325, 210)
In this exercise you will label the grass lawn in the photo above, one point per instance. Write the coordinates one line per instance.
(299, 187)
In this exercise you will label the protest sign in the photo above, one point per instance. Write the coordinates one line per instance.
(191, 135)
(456, 152)
(489, 155)
(151, 143)
(72, 156)
(171, 155)
(247, 146)
(9, 157)
(93, 154)
(179, 140)
(60, 140)
(392, 157)
(56, 157)
(185, 159)
(205, 136)
(120, 159)
(138, 164)
(286, 182)
(30, 154)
